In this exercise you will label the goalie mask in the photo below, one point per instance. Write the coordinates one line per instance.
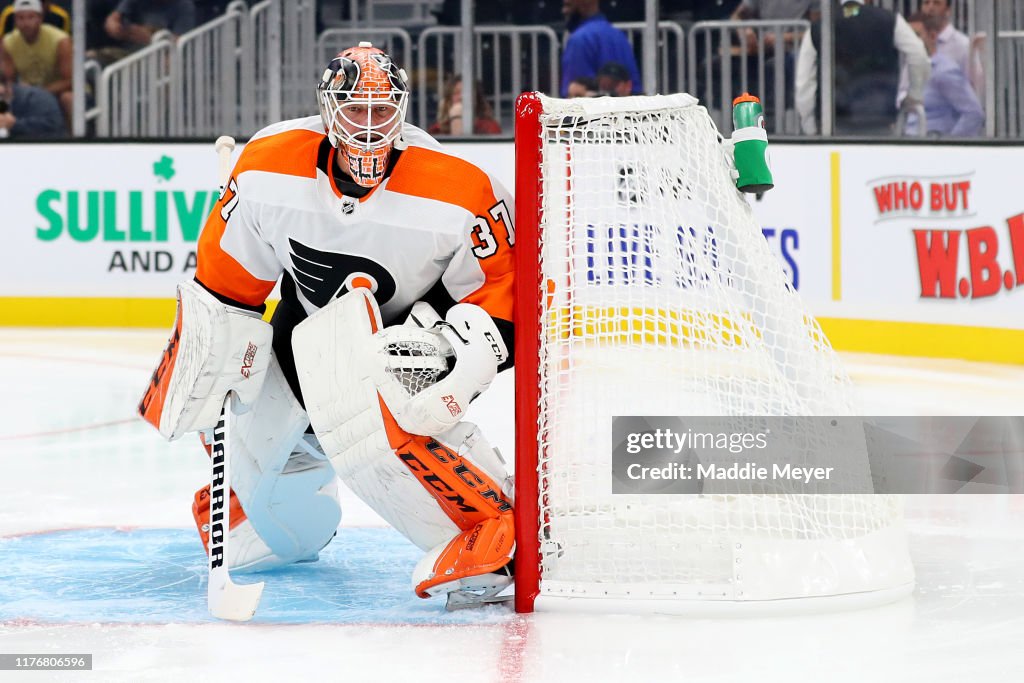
(363, 99)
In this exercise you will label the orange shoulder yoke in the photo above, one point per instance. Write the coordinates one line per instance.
(435, 175)
(290, 152)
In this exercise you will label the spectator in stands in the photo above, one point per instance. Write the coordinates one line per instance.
(135, 21)
(951, 108)
(53, 14)
(99, 45)
(38, 54)
(613, 80)
(707, 44)
(779, 10)
(584, 86)
(770, 10)
(28, 112)
(592, 43)
(868, 43)
(955, 44)
(449, 111)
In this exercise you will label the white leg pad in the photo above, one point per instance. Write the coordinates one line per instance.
(332, 357)
(336, 360)
(384, 483)
(285, 485)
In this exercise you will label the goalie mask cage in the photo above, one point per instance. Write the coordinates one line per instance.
(645, 287)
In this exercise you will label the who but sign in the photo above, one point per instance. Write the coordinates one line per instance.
(941, 252)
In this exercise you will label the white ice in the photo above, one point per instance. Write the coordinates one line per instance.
(72, 456)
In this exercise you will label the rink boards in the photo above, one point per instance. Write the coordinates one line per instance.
(899, 249)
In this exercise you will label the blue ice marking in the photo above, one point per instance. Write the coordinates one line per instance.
(159, 576)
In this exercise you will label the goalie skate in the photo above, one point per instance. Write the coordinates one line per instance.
(484, 589)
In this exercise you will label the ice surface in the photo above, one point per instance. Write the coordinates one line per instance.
(98, 554)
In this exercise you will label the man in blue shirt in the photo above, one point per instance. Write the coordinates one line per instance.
(592, 43)
(951, 107)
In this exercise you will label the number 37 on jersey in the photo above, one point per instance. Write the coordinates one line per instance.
(491, 230)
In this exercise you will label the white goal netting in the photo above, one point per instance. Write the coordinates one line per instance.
(660, 296)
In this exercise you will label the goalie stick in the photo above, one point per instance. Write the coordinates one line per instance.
(225, 598)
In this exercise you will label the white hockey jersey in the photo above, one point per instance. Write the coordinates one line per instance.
(435, 218)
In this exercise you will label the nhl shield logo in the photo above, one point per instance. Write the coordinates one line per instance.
(348, 207)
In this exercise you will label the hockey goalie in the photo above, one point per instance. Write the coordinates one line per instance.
(395, 267)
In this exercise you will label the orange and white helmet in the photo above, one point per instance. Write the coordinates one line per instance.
(363, 99)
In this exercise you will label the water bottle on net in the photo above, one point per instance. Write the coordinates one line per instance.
(750, 145)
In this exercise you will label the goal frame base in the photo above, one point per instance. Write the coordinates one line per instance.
(704, 608)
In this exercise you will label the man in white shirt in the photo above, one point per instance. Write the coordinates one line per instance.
(869, 43)
(955, 44)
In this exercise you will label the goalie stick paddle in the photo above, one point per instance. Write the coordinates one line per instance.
(225, 598)
(224, 146)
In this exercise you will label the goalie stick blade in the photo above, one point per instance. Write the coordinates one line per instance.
(232, 601)
(224, 598)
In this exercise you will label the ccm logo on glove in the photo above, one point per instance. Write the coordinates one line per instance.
(495, 347)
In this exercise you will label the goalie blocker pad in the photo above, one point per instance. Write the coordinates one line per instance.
(445, 494)
(213, 349)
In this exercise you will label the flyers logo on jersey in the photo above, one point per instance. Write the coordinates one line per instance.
(325, 275)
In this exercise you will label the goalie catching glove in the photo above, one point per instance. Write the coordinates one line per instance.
(213, 349)
(428, 377)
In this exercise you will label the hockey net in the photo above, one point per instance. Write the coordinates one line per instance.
(645, 287)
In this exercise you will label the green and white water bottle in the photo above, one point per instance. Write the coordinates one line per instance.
(750, 145)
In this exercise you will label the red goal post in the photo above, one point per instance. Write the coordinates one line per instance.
(527, 325)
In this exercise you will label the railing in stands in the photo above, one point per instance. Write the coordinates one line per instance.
(231, 75)
(214, 75)
(753, 65)
(135, 96)
(395, 13)
(911, 121)
(299, 70)
(257, 65)
(93, 73)
(265, 27)
(671, 52)
(1009, 98)
(509, 59)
